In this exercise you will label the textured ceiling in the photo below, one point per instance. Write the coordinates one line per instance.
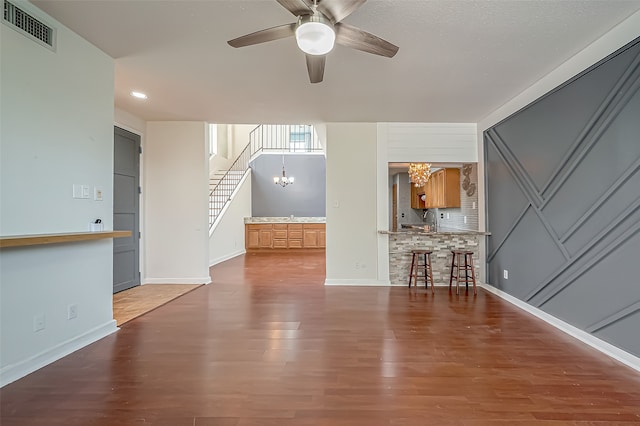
(458, 60)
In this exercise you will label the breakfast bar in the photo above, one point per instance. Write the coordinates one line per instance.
(441, 242)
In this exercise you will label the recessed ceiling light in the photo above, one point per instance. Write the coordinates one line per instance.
(138, 95)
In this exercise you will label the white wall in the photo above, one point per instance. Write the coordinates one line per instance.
(227, 239)
(176, 203)
(352, 239)
(56, 131)
(430, 142)
(235, 138)
(239, 138)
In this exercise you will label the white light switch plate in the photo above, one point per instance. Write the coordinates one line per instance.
(97, 193)
(77, 191)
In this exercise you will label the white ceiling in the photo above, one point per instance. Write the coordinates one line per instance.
(458, 60)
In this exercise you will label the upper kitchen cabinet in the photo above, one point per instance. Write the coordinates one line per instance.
(416, 196)
(443, 189)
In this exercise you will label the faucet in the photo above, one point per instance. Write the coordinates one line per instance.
(434, 222)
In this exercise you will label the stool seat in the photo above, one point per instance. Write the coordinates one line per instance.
(424, 267)
(462, 270)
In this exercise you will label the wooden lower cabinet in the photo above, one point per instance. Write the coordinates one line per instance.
(294, 239)
(258, 236)
(315, 235)
(285, 235)
(279, 235)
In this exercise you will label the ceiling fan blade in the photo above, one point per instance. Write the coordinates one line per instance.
(355, 38)
(262, 36)
(337, 10)
(296, 7)
(315, 66)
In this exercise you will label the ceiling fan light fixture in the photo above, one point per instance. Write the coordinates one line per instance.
(315, 35)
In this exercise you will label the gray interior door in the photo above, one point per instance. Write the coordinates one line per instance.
(126, 209)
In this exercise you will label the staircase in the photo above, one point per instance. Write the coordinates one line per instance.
(264, 138)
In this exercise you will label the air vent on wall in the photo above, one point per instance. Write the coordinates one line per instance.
(28, 25)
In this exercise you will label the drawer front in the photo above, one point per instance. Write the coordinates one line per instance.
(314, 226)
(295, 243)
(256, 226)
(280, 226)
(279, 234)
(295, 235)
(278, 243)
(295, 227)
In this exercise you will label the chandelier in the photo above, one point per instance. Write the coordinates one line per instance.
(419, 173)
(283, 180)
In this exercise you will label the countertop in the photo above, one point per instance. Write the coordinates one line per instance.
(440, 231)
(285, 219)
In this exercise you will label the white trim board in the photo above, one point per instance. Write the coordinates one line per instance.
(201, 280)
(600, 345)
(227, 257)
(13, 372)
(357, 282)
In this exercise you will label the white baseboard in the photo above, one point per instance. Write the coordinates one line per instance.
(357, 282)
(606, 348)
(13, 372)
(202, 280)
(226, 257)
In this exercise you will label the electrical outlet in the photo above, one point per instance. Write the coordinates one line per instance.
(447, 215)
(465, 219)
(39, 322)
(72, 311)
(473, 205)
(505, 274)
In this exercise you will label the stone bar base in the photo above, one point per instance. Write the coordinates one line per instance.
(401, 244)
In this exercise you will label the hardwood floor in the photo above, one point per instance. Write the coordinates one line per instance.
(139, 300)
(268, 344)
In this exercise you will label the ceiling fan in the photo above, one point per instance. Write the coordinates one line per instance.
(318, 27)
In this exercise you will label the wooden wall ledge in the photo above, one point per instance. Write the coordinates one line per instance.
(71, 237)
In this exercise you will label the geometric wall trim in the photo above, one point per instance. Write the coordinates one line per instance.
(562, 178)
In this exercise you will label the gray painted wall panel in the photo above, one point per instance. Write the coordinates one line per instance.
(612, 293)
(564, 117)
(507, 202)
(305, 198)
(621, 204)
(575, 155)
(609, 158)
(525, 272)
(618, 332)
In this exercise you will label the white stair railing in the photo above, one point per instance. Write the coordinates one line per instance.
(264, 138)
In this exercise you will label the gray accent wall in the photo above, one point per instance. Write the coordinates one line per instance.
(305, 198)
(563, 196)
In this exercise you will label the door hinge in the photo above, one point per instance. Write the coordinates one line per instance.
(139, 150)
(139, 190)
(139, 235)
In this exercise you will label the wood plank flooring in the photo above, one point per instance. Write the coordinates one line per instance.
(139, 300)
(268, 344)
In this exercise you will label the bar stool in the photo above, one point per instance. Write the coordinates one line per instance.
(425, 267)
(462, 264)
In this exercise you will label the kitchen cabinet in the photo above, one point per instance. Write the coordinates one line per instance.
(285, 235)
(314, 235)
(416, 196)
(279, 235)
(294, 239)
(443, 189)
(258, 236)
